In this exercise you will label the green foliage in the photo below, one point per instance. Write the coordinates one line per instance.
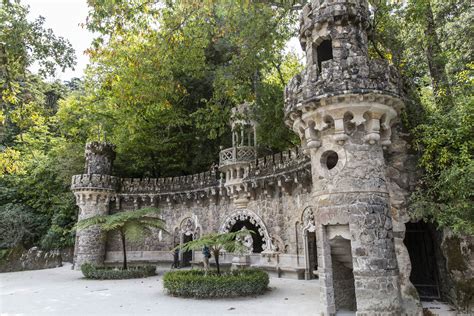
(134, 224)
(198, 284)
(100, 273)
(163, 94)
(430, 42)
(35, 168)
(20, 226)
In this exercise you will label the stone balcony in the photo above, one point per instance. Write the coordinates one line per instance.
(235, 155)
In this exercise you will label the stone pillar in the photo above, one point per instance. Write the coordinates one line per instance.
(93, 191)
(343, 106)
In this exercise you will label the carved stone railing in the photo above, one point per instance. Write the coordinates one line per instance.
(355, 76)
(94, 182)
(237, 154)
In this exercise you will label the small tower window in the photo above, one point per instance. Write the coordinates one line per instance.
(324, 52)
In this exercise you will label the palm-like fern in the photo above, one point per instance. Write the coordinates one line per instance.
(218, 242)
(131, 225)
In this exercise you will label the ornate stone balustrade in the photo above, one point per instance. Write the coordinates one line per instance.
(237, 154)
(94, 182)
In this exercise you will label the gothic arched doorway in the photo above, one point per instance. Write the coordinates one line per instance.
(188, 231)
(249, 220)
(257, 244)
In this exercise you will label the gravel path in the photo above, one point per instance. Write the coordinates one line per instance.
(62, 291)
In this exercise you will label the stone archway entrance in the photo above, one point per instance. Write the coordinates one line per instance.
(424, 271)
(310, 247)
(188, 231)
(248, 219)
(257, 239)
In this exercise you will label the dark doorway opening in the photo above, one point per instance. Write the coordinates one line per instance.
(187, 255)
(424, 271)
(312, 255)
(343, 274)
(324, 52)
(257, 239)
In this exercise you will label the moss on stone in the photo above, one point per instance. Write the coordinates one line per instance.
(454, 255)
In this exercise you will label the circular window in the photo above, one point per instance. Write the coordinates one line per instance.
(329, 159)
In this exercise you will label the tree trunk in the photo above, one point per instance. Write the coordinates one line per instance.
(216, 258)
(122, 236)
(436, 62)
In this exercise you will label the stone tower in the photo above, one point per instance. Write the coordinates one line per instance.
(343, 106)
(235, 162)
(93, 191)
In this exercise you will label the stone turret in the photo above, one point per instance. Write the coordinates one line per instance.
(235, 162)
(343, 106)
(93, 191)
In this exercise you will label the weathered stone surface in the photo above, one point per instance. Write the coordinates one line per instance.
(20, 259)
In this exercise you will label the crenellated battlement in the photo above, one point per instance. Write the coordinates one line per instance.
(277, 163)
(320, 12)
(82, 182)
(262, 167)
(192, 182)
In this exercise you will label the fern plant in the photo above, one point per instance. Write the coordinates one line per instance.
(218, 242)
(131, 225)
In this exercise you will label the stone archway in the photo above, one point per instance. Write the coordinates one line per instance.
(309, 239)
(188, 230)
(241, 217)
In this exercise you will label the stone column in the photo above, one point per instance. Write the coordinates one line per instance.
(93, 191)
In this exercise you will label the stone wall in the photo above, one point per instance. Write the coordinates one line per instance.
(20, 259)
(278, 211)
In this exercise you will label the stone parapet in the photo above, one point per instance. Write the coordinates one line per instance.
(99, 182)
(278, 163)
(171, 184)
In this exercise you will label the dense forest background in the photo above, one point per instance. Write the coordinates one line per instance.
(162, 80)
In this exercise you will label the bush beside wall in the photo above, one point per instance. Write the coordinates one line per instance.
(195, 283)
(101, 273)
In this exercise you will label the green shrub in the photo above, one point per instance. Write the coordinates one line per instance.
(101, 273)
(194, 283)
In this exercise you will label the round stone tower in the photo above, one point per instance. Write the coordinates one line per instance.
(343, 106)
(93, 191)
(235, 162)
